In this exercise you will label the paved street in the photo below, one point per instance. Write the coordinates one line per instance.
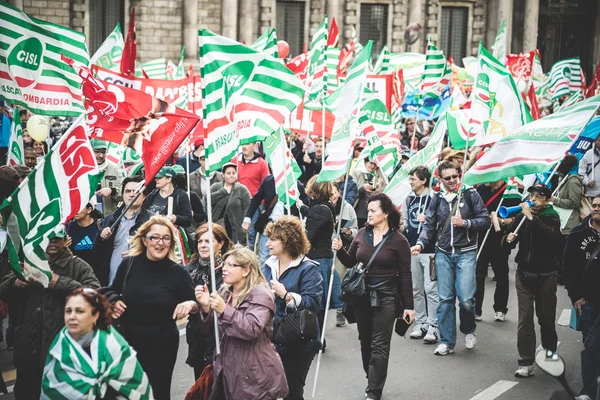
(483, 374)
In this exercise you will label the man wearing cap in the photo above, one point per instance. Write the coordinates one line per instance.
(41, 311)
(109, 191)
(194, 156)
(200, 183)
(537, 273)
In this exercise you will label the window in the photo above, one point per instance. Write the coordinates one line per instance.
(453, 33)
(374, 26)
(104, 16)
(290, 24)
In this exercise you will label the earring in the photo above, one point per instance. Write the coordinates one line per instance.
(94, 326)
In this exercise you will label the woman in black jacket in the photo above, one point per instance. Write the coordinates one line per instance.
(201, 344)
(319, 230)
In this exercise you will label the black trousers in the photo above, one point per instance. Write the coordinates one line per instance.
(494, 254)
(157, 356)
(296, 365)
(28, 385)
(375, 328)
(590, 356)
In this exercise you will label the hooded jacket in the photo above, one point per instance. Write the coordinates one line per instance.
(229, 208)
(581, 243)
(569, 198)
(319, 228)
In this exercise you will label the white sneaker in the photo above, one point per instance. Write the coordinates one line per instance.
(418, 331)
(478, 317)
(499, 316)
(432, 335)
(470, 341)
(443, 350)
(583, 397)
(524, 371)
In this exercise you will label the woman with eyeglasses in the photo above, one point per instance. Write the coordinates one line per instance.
(248, 367)
(201, 345)
(106, 365)
(154, 291)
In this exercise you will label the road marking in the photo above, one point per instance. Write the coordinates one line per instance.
(181, 332)
(495, 390)
(565, 317)
(8, 389)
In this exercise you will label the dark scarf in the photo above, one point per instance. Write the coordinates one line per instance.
(201, 274)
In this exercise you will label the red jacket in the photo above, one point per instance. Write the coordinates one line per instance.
(251, 173)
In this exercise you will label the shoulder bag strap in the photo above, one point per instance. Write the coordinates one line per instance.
(376, 251)
(589, 261)
(491, 200)
(448, 219)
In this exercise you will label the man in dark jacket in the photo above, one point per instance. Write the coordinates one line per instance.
(581, 274)
(41, 311)
(456, 227)
(537, 274)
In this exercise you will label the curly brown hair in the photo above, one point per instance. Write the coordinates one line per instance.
(291, 233)
(219, 234)
(99, 304)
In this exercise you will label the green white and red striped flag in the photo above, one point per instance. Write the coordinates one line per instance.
(565, 77)
(512, 189)
(437, 72)
(247, 95)
(569, 101)
(284, 167)
(317, 66)
(267, 42)
(333, 60)
(382, 65)
(57, 189)
(109, 54)
(155, 69)
(376, 122)
(16, 151)
(497, 107)
(346, 118)
(458, 128)
(499, 46)
(534, 147)
(32, 73)
(412, 66)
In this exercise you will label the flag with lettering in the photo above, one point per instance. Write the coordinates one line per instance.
(32, 74)
(534, 147)
(247, 95)
(109, 54)
(15, 148)
(57, 189)
(284, 166)
(346, 114)
(565, 78)
(317, 66)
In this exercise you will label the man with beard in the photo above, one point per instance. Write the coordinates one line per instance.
(109, 189)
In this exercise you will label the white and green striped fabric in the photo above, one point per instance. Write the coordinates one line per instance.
(57, 189)
(180, 71)
(376, 121)
(32, 73)
(346, 115)
(412, 66)
(333, 60)
(267, 42)
(284, 167)
(247, 95)
(569, 101)
(109, 54)
(15, 148)
(565, 77)
(317, 65)
(436, 73)
(155, 69)
(512, 190)
(382, 65)
(534, 147)
(458, 128)
(499, 46)
(71, 373)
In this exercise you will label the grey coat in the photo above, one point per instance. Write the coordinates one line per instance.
(40, 312)
(569, 198)
(228, 209)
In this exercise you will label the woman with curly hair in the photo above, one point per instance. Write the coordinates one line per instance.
(201, 345)
(297, 283)
(106, 366)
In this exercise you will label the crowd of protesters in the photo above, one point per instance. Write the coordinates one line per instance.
(121, 275)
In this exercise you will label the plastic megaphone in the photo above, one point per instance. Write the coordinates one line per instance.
(505, 212)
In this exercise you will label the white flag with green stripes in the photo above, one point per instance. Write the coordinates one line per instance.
(155, 69)
(247, 95)
(32, 73)
(565, 78)
(72, 373)
(437, 72)
(512, 189)
(267, 42)
(346, 118)
(317, 66)
(499, 46)
(284, 166)
(57, 189)
(15, 149)
(109, 54)
(382, 65)
(333, 60)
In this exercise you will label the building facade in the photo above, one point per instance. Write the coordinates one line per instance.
(559, 28)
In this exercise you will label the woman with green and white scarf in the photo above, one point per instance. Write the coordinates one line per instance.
(89, 359)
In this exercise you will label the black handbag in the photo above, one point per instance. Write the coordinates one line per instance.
(297, 326)
(354, 287)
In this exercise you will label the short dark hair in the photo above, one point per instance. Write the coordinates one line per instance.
(129, 179)
(388, 207)
(99, 304)
(598, 195)
(444, 165)
(568, 163)
(422, 173)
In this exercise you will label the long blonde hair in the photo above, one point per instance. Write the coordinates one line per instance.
(247, 258)
(136, 244)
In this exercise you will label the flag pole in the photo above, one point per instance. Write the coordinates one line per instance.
(488, 231)
(187, 164)
(213, 279)
(323, 131)
(285, 177)
(140, 189)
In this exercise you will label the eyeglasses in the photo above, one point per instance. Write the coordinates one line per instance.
(595, 205)
(231, 265)
(156, 239)
(449, 178)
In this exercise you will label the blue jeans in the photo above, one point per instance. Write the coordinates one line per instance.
(263, 250)
(325, 265)
(590, 356)
(251, 231)
(456, 278)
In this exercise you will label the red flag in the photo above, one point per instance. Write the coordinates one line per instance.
(299, 66)
(153, 128)
(520, 66)
(334, 34)
(398, 85)
(130, 48)
(345, 55)
(533, 104)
